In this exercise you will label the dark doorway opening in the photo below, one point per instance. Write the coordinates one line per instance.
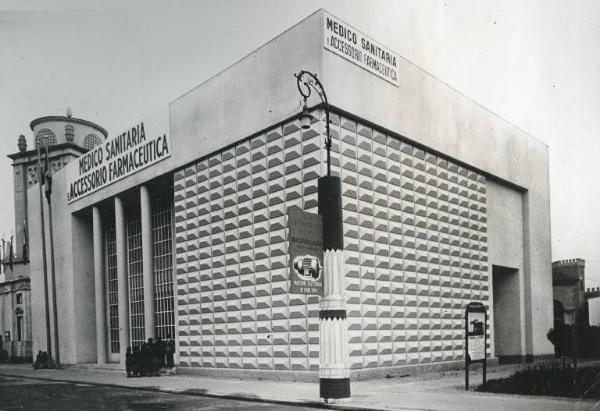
(507, 314)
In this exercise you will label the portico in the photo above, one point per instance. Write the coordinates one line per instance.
(132, 265)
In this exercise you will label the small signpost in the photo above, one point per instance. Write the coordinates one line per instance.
(475, 338)
(306, 252)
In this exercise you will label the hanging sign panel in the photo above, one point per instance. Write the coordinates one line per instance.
(305, 252)
(143, 144)
(349, 43)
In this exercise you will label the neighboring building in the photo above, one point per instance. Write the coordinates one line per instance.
(67, 138)
(15, 312)
(592, 296)
(178, 226)
(568, 282)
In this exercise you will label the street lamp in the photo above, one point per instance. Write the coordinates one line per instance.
(40, 177)
(305, 118)
(306, 82)
(45, 178)
(48, 182)
(334, 368)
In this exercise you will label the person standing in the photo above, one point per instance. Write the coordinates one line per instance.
(170, 351)
(160, 352)
(128, 362)
(137, 362)
(155, 360)
(146, 358)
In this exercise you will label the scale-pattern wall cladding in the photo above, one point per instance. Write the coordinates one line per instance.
(415, 232)
(235, 310)
(415, 250)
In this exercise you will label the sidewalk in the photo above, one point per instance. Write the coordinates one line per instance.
(439, 391)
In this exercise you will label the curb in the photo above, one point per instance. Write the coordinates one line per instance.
(193, 392)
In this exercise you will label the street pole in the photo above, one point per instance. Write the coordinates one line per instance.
(334, 368)
(2, 262)
(52, 270)
(44, 265)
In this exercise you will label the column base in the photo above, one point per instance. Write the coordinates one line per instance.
(334, 388)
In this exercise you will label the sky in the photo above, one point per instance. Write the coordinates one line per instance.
(534, 63)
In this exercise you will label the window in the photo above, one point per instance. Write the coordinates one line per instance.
(90, 141)
(45, 136)
(19, 328)
(136, 283)
(112, 290)
(162, 254)
(19, 298)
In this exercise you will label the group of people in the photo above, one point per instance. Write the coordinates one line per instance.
(3, 353)
(41, 360)
(148, 359)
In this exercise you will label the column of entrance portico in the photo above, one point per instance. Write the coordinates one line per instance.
(147, 264)
(98, 229)
(121, 238)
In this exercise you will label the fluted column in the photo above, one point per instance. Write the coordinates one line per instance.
(147, 264)
(98, 229)
(121, 237)
(334, 370)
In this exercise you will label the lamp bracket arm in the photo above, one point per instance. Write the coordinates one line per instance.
(306, 82)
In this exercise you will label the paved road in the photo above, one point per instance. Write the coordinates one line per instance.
(26, 394)
(22, 387)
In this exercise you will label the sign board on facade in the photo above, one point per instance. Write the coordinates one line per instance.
(349, 43)
(306, 252)
(138, 147)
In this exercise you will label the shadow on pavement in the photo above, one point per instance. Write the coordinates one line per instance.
(194, 391)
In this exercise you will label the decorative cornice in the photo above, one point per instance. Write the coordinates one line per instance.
(55, 147)
(569, 262)
(15, 281)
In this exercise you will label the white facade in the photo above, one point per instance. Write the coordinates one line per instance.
(594, 310)
(444, 203)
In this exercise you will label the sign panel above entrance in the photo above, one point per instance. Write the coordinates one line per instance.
(349, 43)
(138, 147)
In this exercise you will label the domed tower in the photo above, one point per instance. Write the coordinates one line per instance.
(67, 138)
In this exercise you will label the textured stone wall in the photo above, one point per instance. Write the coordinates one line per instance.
(415, 250)
(231, 254)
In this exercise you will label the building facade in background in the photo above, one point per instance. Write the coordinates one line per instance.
(66, 138)
(178, 225)
(592, 296)
(15, 312)
(568, 285)
(572, 301)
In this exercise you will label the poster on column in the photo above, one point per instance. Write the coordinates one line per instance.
(305, 252)
(143, 144)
